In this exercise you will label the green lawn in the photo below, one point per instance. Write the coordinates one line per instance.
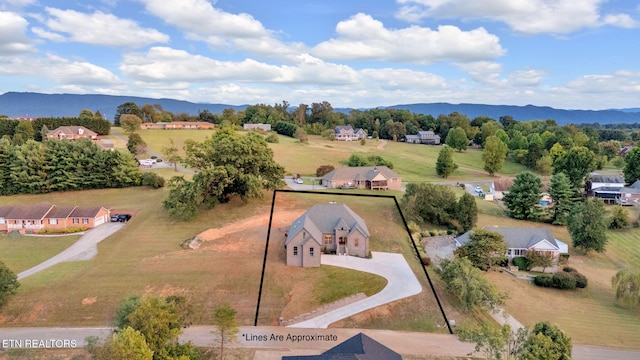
(20, 253)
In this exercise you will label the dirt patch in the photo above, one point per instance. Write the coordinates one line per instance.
(89, 301)
(280, 218)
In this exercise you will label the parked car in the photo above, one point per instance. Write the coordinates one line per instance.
(478, 189)
(114, 217)
(124, 217)
(298, 181)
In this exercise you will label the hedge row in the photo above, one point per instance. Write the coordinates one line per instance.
(568, 279)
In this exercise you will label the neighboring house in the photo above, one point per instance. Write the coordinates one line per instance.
(106, 144)
(358, 347)
(606, 187)
(348, 133)
(423, 137)
(36, 217)
(630, 195)
(522, 240)
(263, 127)
(326, 228)
(500, 187)
(71, 133)
(177, 125)
(363, 177)
(625, 150)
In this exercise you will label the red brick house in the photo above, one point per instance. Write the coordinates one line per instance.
(71, 133)
(46, 216)
(177, 125)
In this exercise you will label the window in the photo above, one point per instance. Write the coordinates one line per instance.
(356, 241)
(311, 251)
(53, 221)
(328, 239)
(76, 221)
(2, 221)
(85, 221)
(295, 251)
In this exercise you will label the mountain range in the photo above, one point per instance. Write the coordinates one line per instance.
(28, 104)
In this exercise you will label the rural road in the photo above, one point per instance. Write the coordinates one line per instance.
(83, 249)
(402, 283)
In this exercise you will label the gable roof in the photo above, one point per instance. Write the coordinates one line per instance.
(60, 212)
(68, 130)
(29, 212)
(325, 218)
(359, 173)
(609, 179)
(86, 212)
(518, 238)
(358, 347)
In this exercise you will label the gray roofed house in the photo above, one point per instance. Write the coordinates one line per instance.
(358, 347)
(348, 133)
(521, 240)
(363, 177)
(326, 228)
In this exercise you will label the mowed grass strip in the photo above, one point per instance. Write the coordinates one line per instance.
(20, 252)
(340, 283)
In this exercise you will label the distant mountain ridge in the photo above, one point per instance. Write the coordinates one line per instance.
(23, 104)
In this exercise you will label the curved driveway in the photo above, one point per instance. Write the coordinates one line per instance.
(402, 283)
(84, 249)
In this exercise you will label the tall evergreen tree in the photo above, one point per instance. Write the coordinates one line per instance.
(467, 212)
(563, 197)
(524, 196)
(28, 170)
(587, 225)
(6, 159)
(632, 166)
(445, 165)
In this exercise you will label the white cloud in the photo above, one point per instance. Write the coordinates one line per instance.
(363, 38)
(219, 29)
(485, 72)
(97, 28)
(525, 16)
(527, 77)
(12, 34)
(15, 4)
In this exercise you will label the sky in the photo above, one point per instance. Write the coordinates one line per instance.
(570, 54)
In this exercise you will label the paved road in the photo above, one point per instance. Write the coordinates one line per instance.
(402, 283)
(84, 249)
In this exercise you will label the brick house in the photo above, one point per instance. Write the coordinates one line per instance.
(326, 228)
(363, 177)
(71, 133)
(177, 125)
(45, 216)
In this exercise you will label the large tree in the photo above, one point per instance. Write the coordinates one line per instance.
(445, 165)
(130, 123)
(494, 154)
(587, 225)
(484, 249)
(8, 283)
(136, 144)
(126, 108)
(127, 344)
(228, 164)
(546, 342)
(467, 212)
(627, 287)
(429, 203)
(632, 166)
(467, 283)
(171, 155)
(563, 197)
(576, 163)
(457, 139)
(524, 196)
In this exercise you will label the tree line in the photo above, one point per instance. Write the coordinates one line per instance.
(59, 165)
(22, 130)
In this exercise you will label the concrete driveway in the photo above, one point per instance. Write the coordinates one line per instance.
(289, 181)
(402, 283)
(86, 248)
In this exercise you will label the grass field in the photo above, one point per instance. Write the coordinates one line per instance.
(20, 253)
(413, 162)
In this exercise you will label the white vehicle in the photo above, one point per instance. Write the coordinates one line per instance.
(298, 181)
(478, 189)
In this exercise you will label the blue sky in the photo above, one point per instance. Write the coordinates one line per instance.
(574, 54)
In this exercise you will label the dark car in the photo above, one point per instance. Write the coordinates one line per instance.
(124, 217)
(114, 217)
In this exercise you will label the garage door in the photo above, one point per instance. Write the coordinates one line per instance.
(100, 220)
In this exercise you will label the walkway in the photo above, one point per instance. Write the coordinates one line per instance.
(86, 248)
(402, 283)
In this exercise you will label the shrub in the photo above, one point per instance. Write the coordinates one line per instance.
(544, 280)
(426, 261)
(563, 280)
(272, 138)
(152, 179)
(324, 170)
(564, 259)
(521, 263)
(581, 280)
(569, 269)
